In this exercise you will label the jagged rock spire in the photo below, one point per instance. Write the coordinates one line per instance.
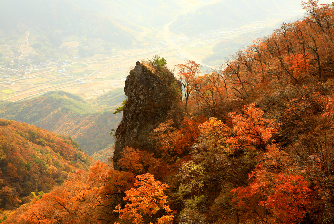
(152, 92)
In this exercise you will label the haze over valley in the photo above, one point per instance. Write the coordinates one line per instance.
(87, 47)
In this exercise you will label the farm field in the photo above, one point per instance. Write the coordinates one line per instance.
(94, 75)
(86, 77)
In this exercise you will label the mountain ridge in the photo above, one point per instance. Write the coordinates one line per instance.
(34, 160)
(68, 114)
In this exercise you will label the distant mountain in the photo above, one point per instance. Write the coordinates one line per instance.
(68, 114)
(227, 48)
(58, 19)
(142, 13)
(33, 161)
(104, 155)
(232, 14)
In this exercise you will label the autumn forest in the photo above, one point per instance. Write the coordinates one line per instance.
(252, 143)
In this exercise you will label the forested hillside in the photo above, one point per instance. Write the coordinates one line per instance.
(250, 144)
(88, 123)
(33, 161)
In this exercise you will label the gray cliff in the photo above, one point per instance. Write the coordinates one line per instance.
(152, 93)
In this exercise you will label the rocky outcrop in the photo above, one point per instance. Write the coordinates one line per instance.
(152, 93)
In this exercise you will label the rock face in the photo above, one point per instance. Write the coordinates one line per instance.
(152, 93)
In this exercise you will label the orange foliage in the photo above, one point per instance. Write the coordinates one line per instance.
(148, 202)
(299, 63)
(188, 74)
(117, 182)
(139, 162)
(214, 134)
(35, 160)
(251, 129)
(12, 172)
(9, 197)
(76, 201)
(186, 136)
(131, 161)
(283, 194)
(174, 143)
